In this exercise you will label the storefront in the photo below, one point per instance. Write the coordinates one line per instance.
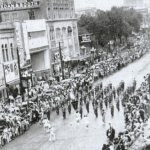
(42, 75)
(12, 78)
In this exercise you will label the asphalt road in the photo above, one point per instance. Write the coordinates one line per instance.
(70, 136)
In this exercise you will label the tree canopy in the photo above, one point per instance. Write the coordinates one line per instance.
(111, 25)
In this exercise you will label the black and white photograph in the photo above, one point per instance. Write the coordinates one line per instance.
(74, 74)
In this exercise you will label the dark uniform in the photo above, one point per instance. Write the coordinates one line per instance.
(81, 111)
(87, 106)
(64, 112)
(69, 108)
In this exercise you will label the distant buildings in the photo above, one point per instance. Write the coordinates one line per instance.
(36, 28)
(91, 11)
(133, 3)
(142, 7)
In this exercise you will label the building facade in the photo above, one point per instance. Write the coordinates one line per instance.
(91, 11)
(133, 3)
(9, 73)
(36, 47)
(142, 7)
(38, 29)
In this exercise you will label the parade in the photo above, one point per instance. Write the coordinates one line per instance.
(17, 117)
(74, 78)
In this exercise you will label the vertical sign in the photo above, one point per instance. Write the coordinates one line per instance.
(11, 71)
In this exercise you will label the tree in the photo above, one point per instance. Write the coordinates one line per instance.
(111, 25)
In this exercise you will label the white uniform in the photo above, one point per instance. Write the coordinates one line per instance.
(86, 122)
(78, 117)
(52, 135)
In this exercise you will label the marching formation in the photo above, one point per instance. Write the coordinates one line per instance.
(77, 95)
(135, 112)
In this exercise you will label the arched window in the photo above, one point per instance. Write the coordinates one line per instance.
(69, 31)
(64, 32)
(3, 52)
(6, 49)
(51, 33)
(58, 35)
(12, 53)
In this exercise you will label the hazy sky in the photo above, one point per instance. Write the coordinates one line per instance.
(101, 4)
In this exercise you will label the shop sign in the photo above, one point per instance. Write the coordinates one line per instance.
(11, 71)
(86, 38)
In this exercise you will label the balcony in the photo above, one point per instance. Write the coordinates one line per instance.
(19, 6)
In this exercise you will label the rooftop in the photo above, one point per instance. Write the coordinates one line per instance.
(86, 9)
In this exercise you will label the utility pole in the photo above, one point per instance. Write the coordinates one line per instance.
(61, 61)
(149, 85)
(21, 87)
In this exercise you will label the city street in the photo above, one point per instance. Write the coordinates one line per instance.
(70, 136)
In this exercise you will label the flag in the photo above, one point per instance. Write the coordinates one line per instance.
(75, 105)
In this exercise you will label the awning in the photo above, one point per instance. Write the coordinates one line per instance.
(15, 82)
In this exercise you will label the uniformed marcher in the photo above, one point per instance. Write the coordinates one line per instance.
(57, 109)
(112, 110)
(96, 111)
(64, 112)
(69, 107)
(81, 111)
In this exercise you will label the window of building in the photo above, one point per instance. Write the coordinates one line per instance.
(29, 0)
(6, 17)
(64, 32)
(69, 31)
(48, 12)
(13, 2)
(6, 50)
(3, 53)
(51, 33)
(12, 53)
(31, 15)
(58, 35)
(14, 16)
